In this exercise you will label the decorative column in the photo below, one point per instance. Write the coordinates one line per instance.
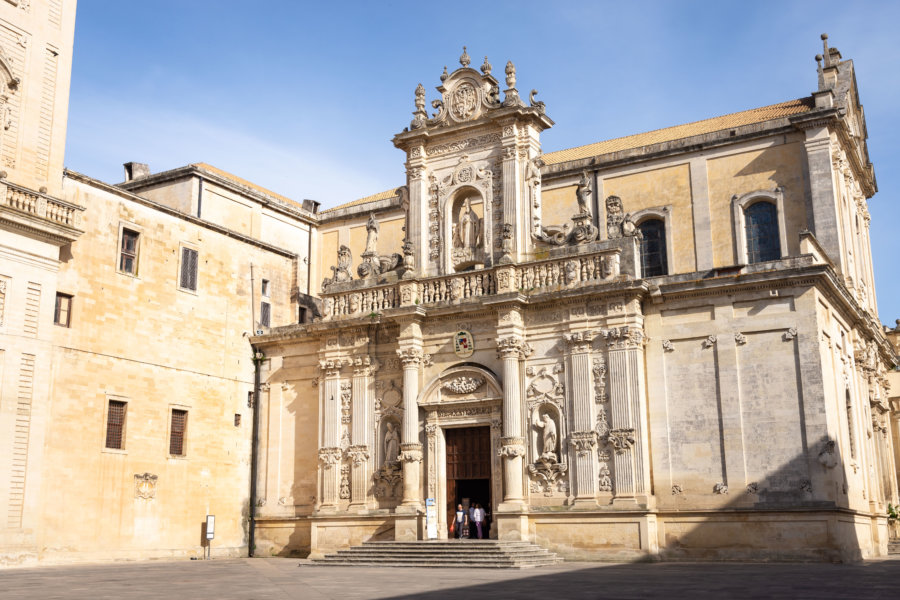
(412, 359)
(511, 349)
(512, 200)
(628, 430)
(583, 438)
(330, 451)
(361, 431)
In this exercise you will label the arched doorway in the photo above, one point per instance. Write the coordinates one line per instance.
(462, 426)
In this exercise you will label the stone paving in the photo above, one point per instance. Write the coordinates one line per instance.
(283, 578)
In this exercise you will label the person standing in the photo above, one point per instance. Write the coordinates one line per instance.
(478, 517)
(462, 521)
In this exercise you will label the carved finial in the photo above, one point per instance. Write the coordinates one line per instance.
(510, 74)
(444, 75)
(420, 96)
(486, 67)
(464, 60)
(825, 52)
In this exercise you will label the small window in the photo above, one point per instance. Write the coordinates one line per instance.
(653, 248)
(115, 424)
(177, 432)
(128, 251)
(265, 288)
(237, 419)
(763, 241)
(62, 314)
(265, 314)
(302, 314)
(188, 276)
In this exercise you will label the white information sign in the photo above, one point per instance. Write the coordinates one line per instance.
(430, 519)
(210, 527)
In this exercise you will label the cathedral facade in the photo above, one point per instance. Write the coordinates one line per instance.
(664, 344)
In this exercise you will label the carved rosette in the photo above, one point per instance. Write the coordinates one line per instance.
(579, 342)
(511, 447)
(583, 442)
(621, 439)
(411, 452)
(625, 337)
(513, 346)
(329, 457)
(358, 454)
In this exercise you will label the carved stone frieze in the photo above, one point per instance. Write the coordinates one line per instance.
(358, 454)
(546, 385)
(345, 483)
(583, 442)
(387, 480)
(512, 446)
(413, 357)
(462, 385)
(579, 342)
(605, 481)
(547, 476)
(624, 337)
(513, 346)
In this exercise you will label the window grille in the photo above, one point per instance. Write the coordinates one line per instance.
(177, 431)
(115, 424)
(189, 260)
(265, 314)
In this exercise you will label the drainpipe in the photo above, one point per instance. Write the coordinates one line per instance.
(258, 358)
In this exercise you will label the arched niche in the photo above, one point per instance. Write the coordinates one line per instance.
(466, 220)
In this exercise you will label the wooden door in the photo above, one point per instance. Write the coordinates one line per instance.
(468, 453)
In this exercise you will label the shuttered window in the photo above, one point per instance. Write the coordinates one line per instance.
(115, 425)
(128, 251)
(177, 432)
(62, 314)
(265, 314)
(189, 258)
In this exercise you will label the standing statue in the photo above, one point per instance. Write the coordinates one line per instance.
(342, 271)
(583, 192)
(468, 231)
(371, 235)
(548, 448)
(391, 444)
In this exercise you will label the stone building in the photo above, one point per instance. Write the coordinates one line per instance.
(660, 344)
(664, 344)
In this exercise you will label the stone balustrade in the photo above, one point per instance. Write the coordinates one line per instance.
(602, 262)
(58, 211)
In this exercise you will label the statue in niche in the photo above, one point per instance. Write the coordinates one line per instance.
(549, 438)
(391, 444)
(467, 233)
(618, 223)
(341, 272)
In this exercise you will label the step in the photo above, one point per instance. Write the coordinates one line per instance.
(486, 554)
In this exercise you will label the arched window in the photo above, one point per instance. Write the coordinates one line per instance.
(653, 248)
(763, 238)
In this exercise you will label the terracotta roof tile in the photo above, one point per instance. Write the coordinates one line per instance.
(249, 184)
(385, 195)
(668, 134)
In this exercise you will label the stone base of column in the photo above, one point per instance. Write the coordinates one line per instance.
(512, 526)
(406, 525)
(627, 503)
(585, 503)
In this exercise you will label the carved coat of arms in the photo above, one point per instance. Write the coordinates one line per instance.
(464, 101)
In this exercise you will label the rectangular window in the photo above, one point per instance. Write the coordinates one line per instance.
(265, 288)
(177, 432)
(115, 425)
(63, 312)
(265, 314)
(188, 278)
(301, 317)
(128, 252)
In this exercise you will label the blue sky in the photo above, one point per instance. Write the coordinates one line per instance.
(303, 98)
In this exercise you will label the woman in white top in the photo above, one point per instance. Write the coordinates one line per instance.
(478, 517)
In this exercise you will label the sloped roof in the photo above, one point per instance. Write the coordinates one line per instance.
(386, 194)
(244, 182)
(668, 134)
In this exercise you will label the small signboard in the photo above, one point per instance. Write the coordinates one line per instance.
(210, 527)
(463, 344)
(430, 519)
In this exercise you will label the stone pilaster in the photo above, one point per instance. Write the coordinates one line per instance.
(412, 359)
(628, 427)
(330, 452)
(512, 201)
(823, 202)
(511, 349)
(417, 213)
(583, 438)
(361, 432)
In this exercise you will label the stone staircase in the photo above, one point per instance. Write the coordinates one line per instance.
(473, 554)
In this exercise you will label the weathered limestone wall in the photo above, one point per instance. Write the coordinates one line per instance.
(143, 340)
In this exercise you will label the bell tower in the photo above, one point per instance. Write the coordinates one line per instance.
(473, 171)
